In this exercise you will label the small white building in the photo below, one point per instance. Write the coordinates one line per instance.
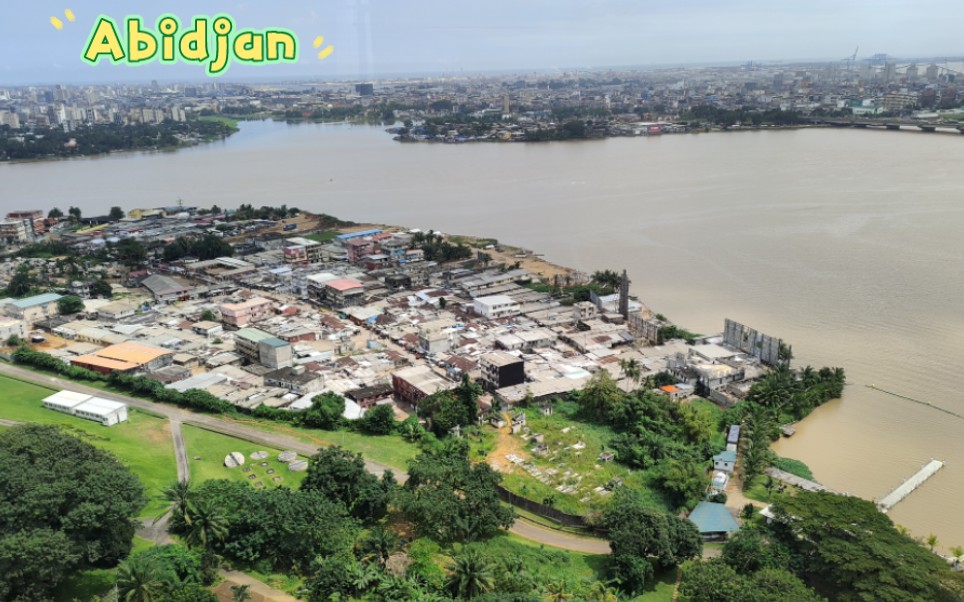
(725, 461)
(494, 307)
(82, 405)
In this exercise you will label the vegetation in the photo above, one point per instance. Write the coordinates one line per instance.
(743, 116)
(70, 304)
(436, 248)
(448, 499)
(340, 476)
(841, 547)
(64, 505)
(204, 247)
(642, 538)
(40, 143)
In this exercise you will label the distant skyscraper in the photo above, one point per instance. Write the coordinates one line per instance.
(506, 107)
(365, 89)
(624, 296)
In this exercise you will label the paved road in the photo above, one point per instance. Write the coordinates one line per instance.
(179, 416)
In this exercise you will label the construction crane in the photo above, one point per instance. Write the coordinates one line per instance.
(850, 60)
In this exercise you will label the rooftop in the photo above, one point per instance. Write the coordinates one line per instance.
(344, 284)
(710, 517)
(34, 301)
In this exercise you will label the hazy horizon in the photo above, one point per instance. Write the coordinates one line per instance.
(379, 38)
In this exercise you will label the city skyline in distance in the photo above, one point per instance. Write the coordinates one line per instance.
(376, 38)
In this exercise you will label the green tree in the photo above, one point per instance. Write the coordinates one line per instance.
(379, 420)
(240, 593)
(325, 412)
(599, 396)
(70, 304)
(74, 213)
(61, 496)
(101, 288)
(131, 252)
(469, 576)
(116, 214)
(340, 476)
(637, 533)
(21, 283)
(685, 481)
(207, 525)
(139, 579)
(448, 499)
(850, 550)
(181, 495)
(55, 213)
(208, 316)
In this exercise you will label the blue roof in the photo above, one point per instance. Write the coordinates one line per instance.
(36, 300)
(725, 456)
(372, 232)
(734, 435)
(273, 342)
(713, 518)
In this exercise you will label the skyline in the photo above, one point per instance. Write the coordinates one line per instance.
(376, 38)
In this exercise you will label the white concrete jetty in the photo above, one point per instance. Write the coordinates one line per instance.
(908, 486)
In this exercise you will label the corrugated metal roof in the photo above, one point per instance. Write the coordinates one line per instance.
(36, 300)
(710, 517)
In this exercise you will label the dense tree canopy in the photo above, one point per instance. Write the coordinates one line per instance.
(639, 535)
(340, 476)
(64, 505)
(204, 247)
(448, 499)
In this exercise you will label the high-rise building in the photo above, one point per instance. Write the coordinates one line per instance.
(365, 89)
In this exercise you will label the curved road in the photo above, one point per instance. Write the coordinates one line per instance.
(179, 416)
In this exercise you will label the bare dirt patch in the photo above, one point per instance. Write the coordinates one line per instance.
(505, 444)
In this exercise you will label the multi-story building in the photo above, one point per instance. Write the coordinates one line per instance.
(359, 248)
(494, 307)
(303, 250)
(343, 292)
(411, 385)
(248, 312)
(435, 336)
(13, 232)
(263, 348)
(501, 369)
(33, 220)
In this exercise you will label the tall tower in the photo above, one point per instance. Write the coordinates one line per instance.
(505, 104)
(624, 296)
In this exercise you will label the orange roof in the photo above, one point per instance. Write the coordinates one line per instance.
(123, 356)
(344, 284)
(669, 388)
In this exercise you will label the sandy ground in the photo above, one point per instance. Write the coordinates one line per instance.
(506, 443)
(52, 342)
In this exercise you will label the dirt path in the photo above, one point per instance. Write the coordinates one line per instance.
(260, 591)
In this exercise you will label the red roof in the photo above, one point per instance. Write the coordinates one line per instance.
(669, 388)
(344, 284)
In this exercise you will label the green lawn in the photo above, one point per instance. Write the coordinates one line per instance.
(716, 412)
(228, 121)
(390, 450)
(573, 467)
(143, 443)
(213, 447)
(326, 236)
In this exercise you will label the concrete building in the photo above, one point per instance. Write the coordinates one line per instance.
(303, 250)
(435, 336)
(253, 310)
(116, 311)
(33, 220)
(104, 411)
(414, 384)
(501, 369)
(167, 289)
(263, 348)
(725, 461)
(359, 248)
(125, 357)
(494, 307)
(32, 309)
(10, 328)
(13, 232)
(295, 379)
(343, 292)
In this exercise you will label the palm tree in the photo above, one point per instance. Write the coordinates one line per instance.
(931, 541)
(557, 591)
(180, 494)
(957, 551)
(137, 581)
(207, 526)
(601, 592)
(240, 593)
(471, 575)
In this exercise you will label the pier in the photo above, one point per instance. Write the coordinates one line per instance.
(908, 486)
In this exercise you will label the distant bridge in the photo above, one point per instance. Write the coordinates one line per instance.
(890, 124)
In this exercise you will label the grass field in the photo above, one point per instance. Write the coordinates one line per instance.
(143, 443)
(390, 450)
(326, 236)
(213, 447)
(574, 448)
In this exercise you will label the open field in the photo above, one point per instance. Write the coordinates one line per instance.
(213, 447)
(143, 443)
(390, 450)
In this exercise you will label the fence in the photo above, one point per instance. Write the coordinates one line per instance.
(569, 520)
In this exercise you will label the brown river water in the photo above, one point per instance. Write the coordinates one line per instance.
(847, 244)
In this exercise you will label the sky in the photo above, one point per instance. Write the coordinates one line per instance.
(372, 38)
